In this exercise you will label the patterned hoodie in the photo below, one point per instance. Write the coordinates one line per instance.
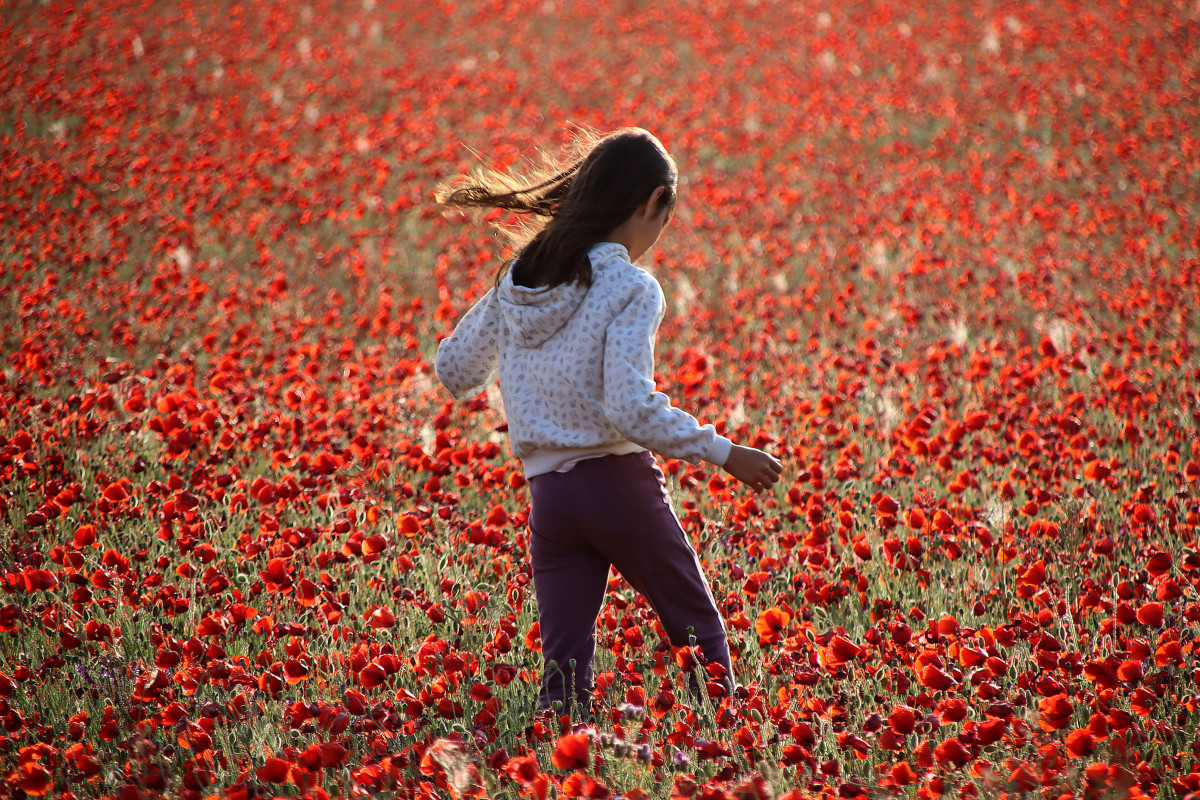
(576, 367)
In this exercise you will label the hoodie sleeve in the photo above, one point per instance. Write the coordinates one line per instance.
(641, 414)
(468, 360)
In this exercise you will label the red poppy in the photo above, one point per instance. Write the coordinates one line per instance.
(1130, 671)
(371, 675)
(916, 520)
(410, 526)
(1158, 564)
(39, 580)
(533, 638)
(932, 677)
(497, 517)
(1151, 614)
(803, 734)
(1169, 654)
(1142, 701)
(34, 779)
(975, 420)
(991, 731)
(1055, 712)
(902, 719)
(523, 769)
(952, 752)
(840, 649)
(572, 751)
(275, 770)
(1023, 778)
(380, 617)
(902, 773)
(1080, 743)
(373, 546)
(771, 624)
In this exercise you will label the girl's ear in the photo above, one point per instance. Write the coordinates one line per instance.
(650, 208)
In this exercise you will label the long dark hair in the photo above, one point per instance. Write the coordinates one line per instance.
(584, 201)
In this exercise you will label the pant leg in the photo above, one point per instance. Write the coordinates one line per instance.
(622, 509)
(654, 555)
(569, 581)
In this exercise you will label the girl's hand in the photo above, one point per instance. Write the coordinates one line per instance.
(756, 469)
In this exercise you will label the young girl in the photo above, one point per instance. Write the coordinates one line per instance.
(569, 328)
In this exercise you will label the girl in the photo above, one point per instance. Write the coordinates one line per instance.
(569, 328)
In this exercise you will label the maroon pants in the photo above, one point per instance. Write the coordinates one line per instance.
(612, 510)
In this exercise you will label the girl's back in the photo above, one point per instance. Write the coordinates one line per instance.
(576, 368)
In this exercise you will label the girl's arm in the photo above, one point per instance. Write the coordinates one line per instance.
(468, 360)
(641, 414)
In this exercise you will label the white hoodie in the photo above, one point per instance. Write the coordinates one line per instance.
(576, 368)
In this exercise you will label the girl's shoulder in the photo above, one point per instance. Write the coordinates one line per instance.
(616, 277)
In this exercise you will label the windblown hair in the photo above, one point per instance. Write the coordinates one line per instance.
(584, 202)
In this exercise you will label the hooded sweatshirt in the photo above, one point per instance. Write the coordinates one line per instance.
(576, 367)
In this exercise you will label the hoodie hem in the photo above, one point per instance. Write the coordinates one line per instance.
(563, 459)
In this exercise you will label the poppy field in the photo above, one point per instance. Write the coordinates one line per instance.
(941, 259)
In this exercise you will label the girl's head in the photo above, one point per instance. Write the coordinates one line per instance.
(585, 202)
(618, 175)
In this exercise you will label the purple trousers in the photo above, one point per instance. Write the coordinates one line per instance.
(612, 510)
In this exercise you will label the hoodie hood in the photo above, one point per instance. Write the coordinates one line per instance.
(534, 315)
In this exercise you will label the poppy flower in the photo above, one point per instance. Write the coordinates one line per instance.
(803, 734)
(1142, 701)
(1150, 614)
(410, 526)
(1168, 589)
(533, 638)
(380, 617)
(39, 580)
(371, 675)
(34, 779)
(902, 719)
(840, 650)
(1169, 654)
(771, 624)
(295, 670)
(1158, 564)
(572, 751)
(952, 752)
(1080, 743)
(1130, 671)
(933, 677)
(902, 773)
(991, 731)
(275, 770)
(523, 769)
(1022, 778)
(942, 521)
(916, 520)
(1055, 712)
(497, 517)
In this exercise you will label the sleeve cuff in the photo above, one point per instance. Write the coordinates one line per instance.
(719, 452)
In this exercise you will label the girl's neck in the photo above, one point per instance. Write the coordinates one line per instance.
(639, 233)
